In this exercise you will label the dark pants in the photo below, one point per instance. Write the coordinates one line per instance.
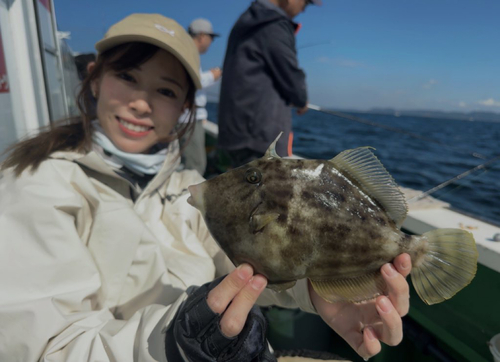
(243, 156)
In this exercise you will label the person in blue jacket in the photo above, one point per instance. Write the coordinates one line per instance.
(262, 81)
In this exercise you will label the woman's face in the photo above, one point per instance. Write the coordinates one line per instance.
(140, 107)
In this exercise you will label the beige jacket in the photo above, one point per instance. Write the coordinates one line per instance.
(88, 274)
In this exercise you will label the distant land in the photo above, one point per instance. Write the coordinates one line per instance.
(469, 116)
(463, 116)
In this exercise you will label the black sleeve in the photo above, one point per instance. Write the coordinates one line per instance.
(278, 48)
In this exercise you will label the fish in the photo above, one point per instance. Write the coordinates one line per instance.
(334, 222)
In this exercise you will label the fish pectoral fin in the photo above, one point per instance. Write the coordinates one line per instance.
(258, 222)
(354, 289)
(363, 167)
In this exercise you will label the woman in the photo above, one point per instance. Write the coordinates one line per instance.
(99, 247)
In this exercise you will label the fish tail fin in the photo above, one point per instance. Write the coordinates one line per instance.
(449, 265)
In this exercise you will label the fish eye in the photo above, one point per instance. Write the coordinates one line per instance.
(253, 176)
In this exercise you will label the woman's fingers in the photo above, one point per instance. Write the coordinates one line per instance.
(402, 263)
(390, 309)
(234, 318)
(371, 345)
(219, 298)
(399, 291)
(234, 297)
(391, 330)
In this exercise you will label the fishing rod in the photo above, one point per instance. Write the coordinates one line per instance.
(310, 45)
(456, 178)
(392, 129)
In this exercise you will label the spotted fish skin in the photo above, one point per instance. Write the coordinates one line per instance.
(327, 227)
(335, 222)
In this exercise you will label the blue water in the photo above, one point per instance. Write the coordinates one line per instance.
(415, 163)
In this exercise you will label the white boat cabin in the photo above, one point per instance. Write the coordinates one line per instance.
(38, 77)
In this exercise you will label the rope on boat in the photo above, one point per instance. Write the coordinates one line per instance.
(393, 129)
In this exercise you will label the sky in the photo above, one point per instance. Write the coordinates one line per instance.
(357, 54)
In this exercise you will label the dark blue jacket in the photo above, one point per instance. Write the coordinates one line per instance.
(261, 81)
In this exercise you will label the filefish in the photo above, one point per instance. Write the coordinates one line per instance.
(335, 222)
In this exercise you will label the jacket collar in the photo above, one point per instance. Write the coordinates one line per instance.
(94, 161)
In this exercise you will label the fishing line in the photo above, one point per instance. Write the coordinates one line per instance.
(393, 129)
(460, 186)
(310, 45)
(458, 177)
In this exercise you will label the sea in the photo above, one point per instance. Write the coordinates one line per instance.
(420, 153)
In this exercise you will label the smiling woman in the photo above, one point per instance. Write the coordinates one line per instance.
(116, 244)
(135, 90)
(139, 107)
(101, 253)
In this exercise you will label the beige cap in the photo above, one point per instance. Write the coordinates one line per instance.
(158, 30)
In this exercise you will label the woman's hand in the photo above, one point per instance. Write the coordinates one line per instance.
(365, 325)
(219, 321)
(234, 297)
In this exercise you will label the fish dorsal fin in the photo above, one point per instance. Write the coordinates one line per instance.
(355, 289)
(372, 177)
(271, 150)
(259, 221)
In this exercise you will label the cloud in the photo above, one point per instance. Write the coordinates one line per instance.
(342, 62)
(349, 63)
(324, 60)
(462, 104)
(430, 84)
(490, 102)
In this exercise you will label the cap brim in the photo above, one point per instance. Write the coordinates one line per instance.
(317, 2)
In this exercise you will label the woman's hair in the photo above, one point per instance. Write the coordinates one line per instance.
(75, 134)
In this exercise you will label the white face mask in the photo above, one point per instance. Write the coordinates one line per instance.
(136, 162)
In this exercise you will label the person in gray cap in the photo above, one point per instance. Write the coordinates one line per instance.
(262, 81)
(194, 154)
